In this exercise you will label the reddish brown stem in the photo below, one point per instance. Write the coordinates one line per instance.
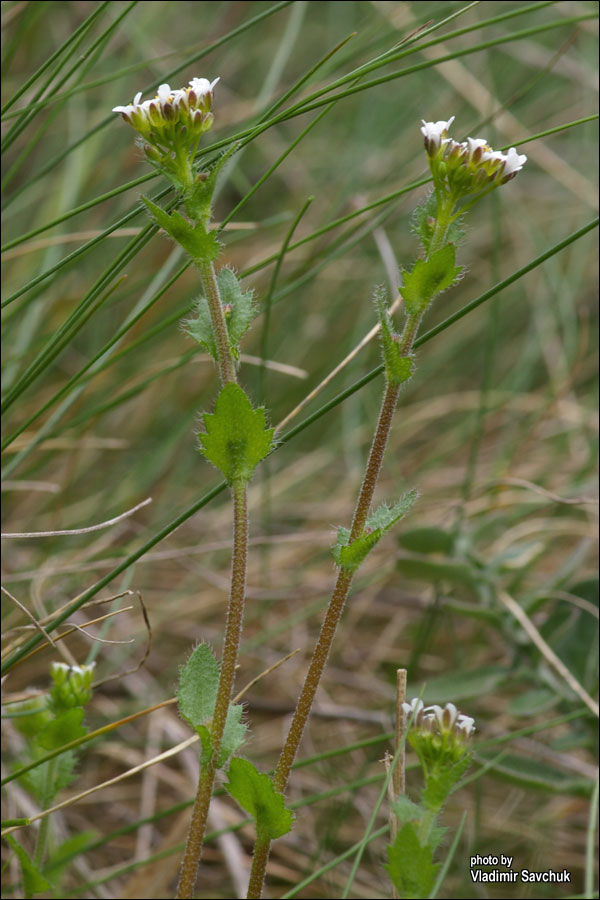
(231, 642)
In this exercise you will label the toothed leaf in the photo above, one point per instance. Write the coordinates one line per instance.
(236, 438)
(255, 793)
(234, 735)
(201, 328)
(350, 554)
(385, 516)
(411, 867)
(240, 309)
(398, 368)
(201, 244)
(63, 729)
(197, 695)
(428, 278)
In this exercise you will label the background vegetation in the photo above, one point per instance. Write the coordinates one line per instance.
(498, 430)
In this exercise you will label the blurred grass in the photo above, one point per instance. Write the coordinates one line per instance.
(498, 430)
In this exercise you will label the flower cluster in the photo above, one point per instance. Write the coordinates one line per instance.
(72, 685)
(440, 735)
(469, 167)
(171, 124)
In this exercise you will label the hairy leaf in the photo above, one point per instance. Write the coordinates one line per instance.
(411, 867)
(197, 695)
(197, 689)
(63, 729)
(201, 328)
(236, 438)
(255, 793)
(240, 309)
(201, 244)
(428, 278)
(398, 368)
(350, 554)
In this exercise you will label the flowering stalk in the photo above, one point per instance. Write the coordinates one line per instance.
(441, 739)
(459, 171)
(170, 127)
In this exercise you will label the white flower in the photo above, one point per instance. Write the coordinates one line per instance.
(465, 725)
(81, 670)
(514, 162)
(59, 667)
(415, 706)
(434, 133)
(445, 717)
(201, 86)
(476, 148)
(163, 93)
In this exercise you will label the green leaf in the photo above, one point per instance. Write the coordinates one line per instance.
(65, 728)
(202, 245)
(350, 554)
(255, 793)
(236, 438)
(533, 702)
(197, 689)
(398, 368)
(439, 784)
(478, 682)
(69, 849)
(197, 695)
(411, 867)
(200, 200)
(406, 810)
(427, 540)
(234, 735)
(33, 880)
(458, 574)
(384, 517)
(240, 309)
(424, 220)
(535, 774)
(201, 328)
(428, 278)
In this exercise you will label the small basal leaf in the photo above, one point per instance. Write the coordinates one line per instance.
(255, 793)
(428, 278)
(198, 683)
(240, 309)
(202, 245)
(201, 328)
(411, 867)
(350, 554)
(236, 438)
(398, 368)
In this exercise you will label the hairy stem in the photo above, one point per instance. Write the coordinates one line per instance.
(231, 642)
(213, 297)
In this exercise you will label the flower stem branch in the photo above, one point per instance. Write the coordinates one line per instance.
(335, 608)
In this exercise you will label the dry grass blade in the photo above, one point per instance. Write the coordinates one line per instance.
(547, 652)
(86, 530)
